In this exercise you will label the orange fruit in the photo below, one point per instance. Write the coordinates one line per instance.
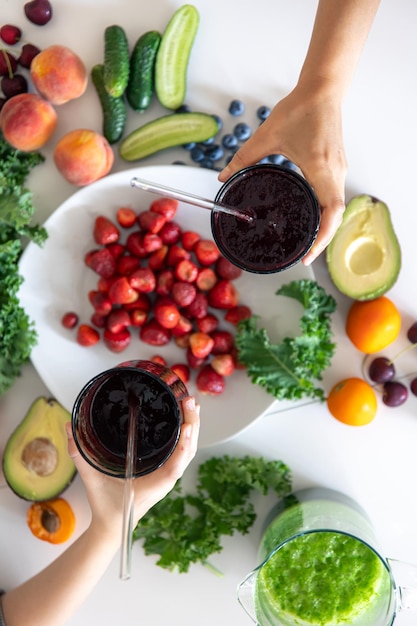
(352, 401)
(373, 324)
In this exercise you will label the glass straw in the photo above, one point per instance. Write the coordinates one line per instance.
(128, 494)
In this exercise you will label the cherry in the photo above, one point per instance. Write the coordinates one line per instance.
(28, 53)
(12, 86)
(10, 34)
(412, 333)
(8, 63)
(38, 12)
(381, 370)
(394, 394)
(2, 102)
(413, 386)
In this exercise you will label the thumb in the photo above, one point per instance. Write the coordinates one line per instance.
(252, 151)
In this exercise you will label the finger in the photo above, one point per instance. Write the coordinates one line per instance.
(253, 150)
(72, 448)
(331, 218)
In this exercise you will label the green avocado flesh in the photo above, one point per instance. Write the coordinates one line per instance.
(364, 257)
(36, 463)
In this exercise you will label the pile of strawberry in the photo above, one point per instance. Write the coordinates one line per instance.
(171, 285)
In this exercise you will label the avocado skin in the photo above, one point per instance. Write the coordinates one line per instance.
(364, 256)
(46, 418)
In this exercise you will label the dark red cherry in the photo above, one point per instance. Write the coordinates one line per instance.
(38, 12)
(13, 86)
(10, 34)
(8, 63)
(28, 53)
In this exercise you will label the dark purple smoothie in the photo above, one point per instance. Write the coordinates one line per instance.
(286, 224)
(101, 417)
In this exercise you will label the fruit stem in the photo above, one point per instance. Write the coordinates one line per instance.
(403, 351)
(7, 60)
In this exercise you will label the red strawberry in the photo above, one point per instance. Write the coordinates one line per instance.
(183, 341)
(98, 320)
(151, 221)
(143, 280)
(102, 262)
(105, 231)
(223, 342)
(134, 243)
(170, 233)
(198, 307)
(206, 251)
(201, 344)
(183, 293)
(182, 371)
(164, 282)
(167, 313)
(226, 269)
(182, 328)
(209, 381)
(126, 217)
(100, 302)
(156, 259)
(176, 254)
(186, 270)
(138, 317)
(121, 292)
(143, 303)
(208, 323)
(69, 319)
(166, 207)
(238, 313)
(223, 364)
(87, 335)
(152, 242)
(153, 333)
(223, 295)
(117, 342)
(117, 249)
(206, 279)
(189, 238)
(127, 264)
(157, 358)
(194, 361)
(117, 320)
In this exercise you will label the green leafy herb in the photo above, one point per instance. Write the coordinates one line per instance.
(17, 332)
(185, 529)
(290, 370)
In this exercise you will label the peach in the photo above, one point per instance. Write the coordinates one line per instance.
(59, 74)
(27, 121)
(83, 156)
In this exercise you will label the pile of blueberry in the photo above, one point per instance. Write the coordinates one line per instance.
(382, 371)
(215, 153)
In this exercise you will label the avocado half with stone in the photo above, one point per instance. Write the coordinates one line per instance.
(364, 257)
(36, 463)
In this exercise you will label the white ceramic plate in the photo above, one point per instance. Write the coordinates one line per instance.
(56, 280)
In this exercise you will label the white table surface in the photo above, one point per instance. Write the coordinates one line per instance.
(253, 51)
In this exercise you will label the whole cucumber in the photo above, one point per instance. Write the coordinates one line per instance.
(140, 87)
(173, 56)
(166, 132)
(116, 60)
(114, 109)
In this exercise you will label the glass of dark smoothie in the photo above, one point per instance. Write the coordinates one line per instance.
(100, 417)
(286, 219)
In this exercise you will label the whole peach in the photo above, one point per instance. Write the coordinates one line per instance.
(27, 121)
(59, 74)
(83, 156)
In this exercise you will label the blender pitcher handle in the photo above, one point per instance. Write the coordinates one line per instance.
(405, 576)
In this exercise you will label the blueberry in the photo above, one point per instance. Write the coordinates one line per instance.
(229, 141)
(207, 163)
(242, 131)
(264, 160)
(189, 146)
(184, 108)
(214, 152)
(219, 121)
(178, 163)
(289, 164)
(263, 112)
(207, 142)
(236, 107)
(277, 159)
(197, 154)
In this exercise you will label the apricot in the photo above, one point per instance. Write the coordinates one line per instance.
(83, 156)
(27, 121)
(59, 74)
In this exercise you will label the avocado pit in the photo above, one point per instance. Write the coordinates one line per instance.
(40, 456)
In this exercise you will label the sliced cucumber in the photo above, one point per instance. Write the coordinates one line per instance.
(166, 132)
(173, 56)
(114, 109)
(140, 87)
(116, 60)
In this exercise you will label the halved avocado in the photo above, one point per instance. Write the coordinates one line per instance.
(36, 463)
(364, 257)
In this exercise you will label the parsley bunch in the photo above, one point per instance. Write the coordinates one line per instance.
(17, 333)
(289, 370)
(185, 529)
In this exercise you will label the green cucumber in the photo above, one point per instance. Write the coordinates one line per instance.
(114, 109)
(116, 60)
(140, 87)
(166, 132)
(173, 55)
